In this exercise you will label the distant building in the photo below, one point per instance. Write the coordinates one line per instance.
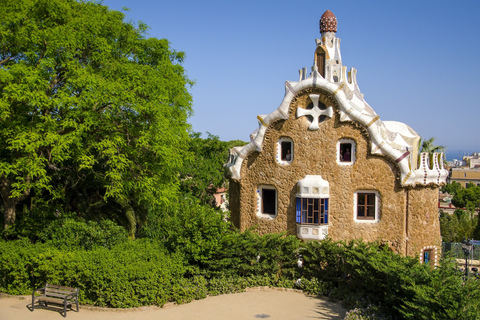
(324, 164)
(465, 175)
(472, 161)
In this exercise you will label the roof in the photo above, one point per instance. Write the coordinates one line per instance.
(394, 140)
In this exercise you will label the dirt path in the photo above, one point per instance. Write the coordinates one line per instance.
(253, 304)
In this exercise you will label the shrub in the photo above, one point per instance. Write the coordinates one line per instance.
(75, 233)
(195, 230)
(248, 254)
(131, 274)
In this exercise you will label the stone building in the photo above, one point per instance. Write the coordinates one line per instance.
(324, 164)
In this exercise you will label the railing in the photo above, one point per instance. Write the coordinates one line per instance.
(455, 250)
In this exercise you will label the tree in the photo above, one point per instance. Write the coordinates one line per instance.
(93, 113)
(452, 188)
(467, 198)
(428, 146)
(204, 173)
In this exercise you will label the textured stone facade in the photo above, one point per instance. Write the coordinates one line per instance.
(315, 153)
(317, 115)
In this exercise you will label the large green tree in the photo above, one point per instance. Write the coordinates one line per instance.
(93, 114)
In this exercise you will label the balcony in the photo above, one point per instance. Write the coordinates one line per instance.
(312, 232)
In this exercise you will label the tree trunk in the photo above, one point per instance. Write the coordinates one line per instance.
(8, 204)
(9, 213)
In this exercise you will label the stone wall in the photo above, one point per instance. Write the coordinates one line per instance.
(315, 153)
(423, 222)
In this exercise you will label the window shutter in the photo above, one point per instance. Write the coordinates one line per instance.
(326, 211)
(299, 211)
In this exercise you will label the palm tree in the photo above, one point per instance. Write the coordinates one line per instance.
(429, 147)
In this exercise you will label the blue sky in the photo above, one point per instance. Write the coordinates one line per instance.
(417, 61)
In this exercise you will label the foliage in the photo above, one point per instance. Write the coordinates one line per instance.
(204, 174)
(370, 312)
(429, 146)
(70, 234)
(189, 227)
(461, 224)
(93, 113)
(452, 188)
(371, 277)
(128, 275)
(247, 254)
(467, 198)
(445, 295)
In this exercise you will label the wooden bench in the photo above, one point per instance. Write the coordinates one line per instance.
(56, 294)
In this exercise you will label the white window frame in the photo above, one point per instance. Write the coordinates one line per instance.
(259, 202)
(278, 156)
(353, 152)
(377, 206)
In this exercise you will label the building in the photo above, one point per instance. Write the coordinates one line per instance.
(324, 164)
(472, 161)
(465, 175)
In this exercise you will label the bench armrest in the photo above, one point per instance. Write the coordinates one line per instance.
(39, 289)
(71, 295)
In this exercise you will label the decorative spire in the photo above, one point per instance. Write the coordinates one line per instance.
(328, 22)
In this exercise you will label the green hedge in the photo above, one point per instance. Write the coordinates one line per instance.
(132, 274)
(144, 272)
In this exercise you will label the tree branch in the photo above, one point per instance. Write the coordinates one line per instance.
(5, 60)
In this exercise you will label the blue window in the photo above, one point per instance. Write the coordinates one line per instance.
(312, 211)
(427, 256)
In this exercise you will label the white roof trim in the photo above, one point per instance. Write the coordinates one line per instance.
(392, 139)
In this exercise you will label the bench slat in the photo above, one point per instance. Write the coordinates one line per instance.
(47, 291)
(54, 286)
(57, 295)
(54, 300)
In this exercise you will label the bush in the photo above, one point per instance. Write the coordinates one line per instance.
(76, 233)
(130, 274)
(189, 227)
(248, 254)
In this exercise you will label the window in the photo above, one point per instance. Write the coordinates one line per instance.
(366, 206)
(346, 152)
(320, 60)
(267, 201)
(284, 150)
(312, 211)
(427, 256)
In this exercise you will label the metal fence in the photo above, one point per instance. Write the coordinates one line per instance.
(455, 250)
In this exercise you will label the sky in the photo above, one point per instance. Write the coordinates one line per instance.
(417, 61)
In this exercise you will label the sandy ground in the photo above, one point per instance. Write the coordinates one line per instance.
(253, 304)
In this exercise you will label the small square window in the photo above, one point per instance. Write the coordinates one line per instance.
(428, 256)
(346, 152)
(366, 206)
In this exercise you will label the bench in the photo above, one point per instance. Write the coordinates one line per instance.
(51, 293)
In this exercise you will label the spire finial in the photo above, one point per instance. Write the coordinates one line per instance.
(328, 22)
